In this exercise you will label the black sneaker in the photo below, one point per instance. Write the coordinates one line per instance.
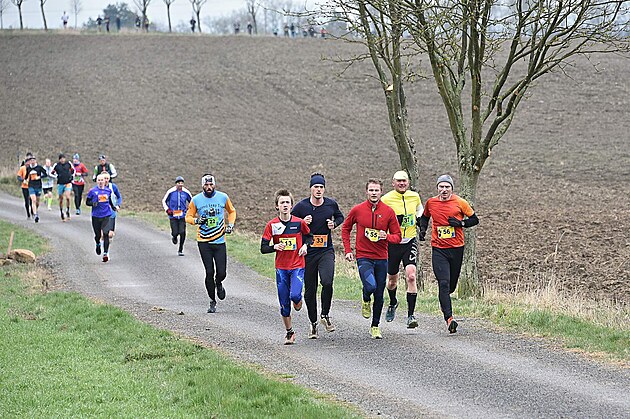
(220, 291)
(312, 333)
(412, 323)
(213, 307)
(391, 313)
(62, 217)
(98, 248)
(289, 338)
(174, 240)
(36, 218)
(68, 213)
(452, 325)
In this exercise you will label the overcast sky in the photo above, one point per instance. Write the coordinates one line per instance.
(180, 11)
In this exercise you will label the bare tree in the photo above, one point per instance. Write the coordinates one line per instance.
(466, 41)
(41, 5)
(168, 13)
(3, 6)
(18, 4)
(142, 5)
(252, 10)
(196, 6)
(76, 6)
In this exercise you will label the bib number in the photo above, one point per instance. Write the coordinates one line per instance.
(77, 178)
(212, 221)
(178, 213)
(408, 220)
(102, 198)
(446, 232)
(371, 234)
(34, 176)
(320, 240)
(290, 243)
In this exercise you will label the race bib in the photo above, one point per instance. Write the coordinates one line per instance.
(102, 198)
(290, 243)
(212, 222)
(371, 234)
(77, 178)
(34, 176)
(446, 232)
(408, 220)
(320, 240)
(178, 213)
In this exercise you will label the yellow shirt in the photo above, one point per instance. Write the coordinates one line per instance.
(408, 207)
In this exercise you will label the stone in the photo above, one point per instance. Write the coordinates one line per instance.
(22, 256)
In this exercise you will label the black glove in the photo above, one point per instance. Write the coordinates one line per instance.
(454, 222)
(201, 220)
(421, 233)
(229, 229)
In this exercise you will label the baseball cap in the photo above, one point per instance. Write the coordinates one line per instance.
(207, 178)
(179, 179)
(401, 175)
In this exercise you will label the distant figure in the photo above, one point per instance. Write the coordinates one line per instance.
(250, 27)
(311, 31)
(323, 32)
(146, 23)
(107, 23)
(304, 32)
(117, 23)
(286, 30)
(64, 20)
(193, 23)
(275, 31)
(292, 30)
(99, 22)
(237, 28)
(138, 23)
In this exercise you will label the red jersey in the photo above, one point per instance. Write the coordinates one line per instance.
(77, 174)
(443, 235)
(369, 220)
(289, 233)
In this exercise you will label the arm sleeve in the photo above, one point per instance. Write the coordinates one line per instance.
(346, 229)
(231, 212)
(164, 204)
(191, 213)
(88, 199)
(265, 246)
(52, 174)
(307, 236)
(471, 221)
(424, 223)
(118, 195)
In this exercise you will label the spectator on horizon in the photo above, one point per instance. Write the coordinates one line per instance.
(193, 22)
(286, 30)
(138, 23)
(99, 22)
(107, 23)
(117, 23)
(237, 28)
(146, 23)
(250, 27)
(64, 20)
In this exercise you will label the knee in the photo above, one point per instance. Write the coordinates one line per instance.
(369, 287)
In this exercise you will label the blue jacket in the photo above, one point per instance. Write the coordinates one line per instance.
(101, 202)
(118, 200)
(176, 201)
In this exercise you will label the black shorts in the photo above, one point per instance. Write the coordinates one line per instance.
(406, 253)
(47, 190)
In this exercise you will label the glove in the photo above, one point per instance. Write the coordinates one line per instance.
(169, 212)
(454, 222)
(201, 220)
(421, 233)
(229, 229)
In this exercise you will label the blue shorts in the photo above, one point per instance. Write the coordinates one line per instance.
(290, 283)
(34, 191)
(62, 188)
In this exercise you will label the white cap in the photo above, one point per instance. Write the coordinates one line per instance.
(401, 175)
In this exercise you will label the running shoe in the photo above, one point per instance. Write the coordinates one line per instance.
(391, 312)
(49, 208)
(412, 323)
(312, 333)
(180, 253)
(174, 240)
(289, 338)
(68, 213)
(366, 309)
(98, 248)
(325, 320)
(105, 257)
(36, 218)
(78, 212)
(220, 291)
(213, 307)
(452, 325)
(376, 332)
(62, 217)
(297, 306)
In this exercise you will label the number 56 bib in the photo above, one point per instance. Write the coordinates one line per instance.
(446, 232)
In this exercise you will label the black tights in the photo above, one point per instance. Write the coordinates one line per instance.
(78, 193)
(324, 265)
(27, 202)
(102, 224)
(178, 228)
(213, 256)
(447, 264)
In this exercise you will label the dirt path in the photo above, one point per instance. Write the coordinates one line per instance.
(425, 372)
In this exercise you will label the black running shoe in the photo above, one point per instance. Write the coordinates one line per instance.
(289, 338)
(213, 307)
(452, 325)
(220, 291)
(174, 240)
(98, 248)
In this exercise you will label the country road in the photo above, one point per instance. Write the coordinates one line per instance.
(425, 372)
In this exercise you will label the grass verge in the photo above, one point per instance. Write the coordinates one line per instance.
(597, 328)
(62, 355)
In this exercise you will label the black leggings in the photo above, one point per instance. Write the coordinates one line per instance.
(102, 224)
(213, 256)
(78, 193)
(447, 264)
(324, 265)
(178, 228)
(27, 202)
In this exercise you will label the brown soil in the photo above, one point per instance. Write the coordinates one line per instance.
(263, 113)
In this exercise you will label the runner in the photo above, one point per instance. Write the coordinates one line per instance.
(175, 203)
(48, 183)
(79, 173)
(63, 170)
(100, 199)
(288, 236)
(408, 208)
(207, 211)
(447, 240)
(322, 216)
(373, 219)
(117, 202)
(21, 176)
(35, 173)
(104, 166)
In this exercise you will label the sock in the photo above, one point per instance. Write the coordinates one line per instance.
(392, 296)
(411, 303)
(290, 330)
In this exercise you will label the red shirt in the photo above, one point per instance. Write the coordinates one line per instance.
(77, 174)
(443, 235)
(289, 232)
(369, 220)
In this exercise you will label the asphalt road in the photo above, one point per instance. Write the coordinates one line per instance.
(424, 372)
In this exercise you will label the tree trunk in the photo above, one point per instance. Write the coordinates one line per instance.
(198, 21)
(41, 4)
(21, 21)
(469, 284)
(168, 12)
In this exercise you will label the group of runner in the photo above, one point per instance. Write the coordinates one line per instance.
(387, 230)
(104, 198)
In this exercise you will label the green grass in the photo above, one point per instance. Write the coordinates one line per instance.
(62, 355)
(22, 239)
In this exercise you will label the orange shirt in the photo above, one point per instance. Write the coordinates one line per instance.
(443, 235)
(22, 173)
